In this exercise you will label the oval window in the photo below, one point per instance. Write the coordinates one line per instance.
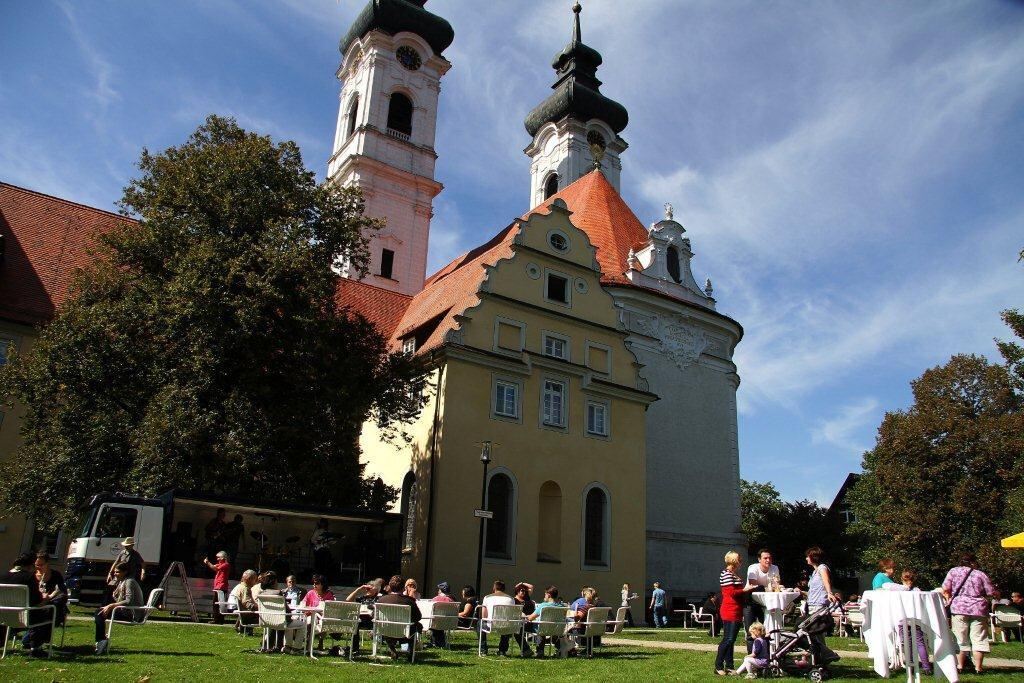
(558, 241)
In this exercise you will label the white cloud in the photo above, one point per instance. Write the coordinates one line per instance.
(845, 428)
(103, 92)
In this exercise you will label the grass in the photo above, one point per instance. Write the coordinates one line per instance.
(179, 652)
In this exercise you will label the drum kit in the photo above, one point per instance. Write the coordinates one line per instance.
(275, 557)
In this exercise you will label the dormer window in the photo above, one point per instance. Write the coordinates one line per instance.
(409, 345)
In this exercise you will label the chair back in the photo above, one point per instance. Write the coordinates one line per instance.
(694, 610)
(620, 619)
(339, 617)
(272, 611)
(155, 596)
(445, 616)
(552, 621)
(597, 620)
(392, 621)
(855, 618)
(1005, 615)
(503, 620)
(13, 595)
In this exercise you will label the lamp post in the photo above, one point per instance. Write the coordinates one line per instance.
(485, 458)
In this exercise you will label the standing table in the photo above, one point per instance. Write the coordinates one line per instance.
(775, 606)
(890, 618)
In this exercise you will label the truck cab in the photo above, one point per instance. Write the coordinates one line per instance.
(106, 522)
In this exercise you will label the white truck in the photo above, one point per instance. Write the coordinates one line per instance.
(172, 527)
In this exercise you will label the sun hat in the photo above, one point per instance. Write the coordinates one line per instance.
(128, 542)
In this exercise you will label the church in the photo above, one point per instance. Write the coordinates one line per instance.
(583, 393)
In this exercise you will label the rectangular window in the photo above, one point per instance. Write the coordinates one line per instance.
(506, 399)
(387, 263)
(557, 288)
(555, 347)
(116, 522)
(554, 403)
(597, 419)
(409, 345)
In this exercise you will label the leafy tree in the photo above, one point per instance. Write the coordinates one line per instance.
(759, 502)
(944, 473)
(204, 349)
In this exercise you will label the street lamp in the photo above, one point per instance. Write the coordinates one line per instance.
(485, 458)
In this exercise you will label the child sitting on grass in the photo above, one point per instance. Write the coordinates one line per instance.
(758, 658)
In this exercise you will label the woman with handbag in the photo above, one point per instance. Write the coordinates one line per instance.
(968, 591)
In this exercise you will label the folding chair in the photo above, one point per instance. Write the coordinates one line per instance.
(15, 614)
(395, 621)
(550, 625)
(338, 618)
(501, 620)
(274, 618)
(445, 618)
(130, 616)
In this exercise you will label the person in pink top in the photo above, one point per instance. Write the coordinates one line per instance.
(439, 638)
(968, 590)
(320, 593)
(221, 575)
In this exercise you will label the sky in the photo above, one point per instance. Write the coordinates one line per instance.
(850, 173)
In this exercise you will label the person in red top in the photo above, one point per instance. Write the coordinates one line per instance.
(734, 595)
(221, 575)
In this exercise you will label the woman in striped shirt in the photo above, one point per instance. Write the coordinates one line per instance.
(734, 594)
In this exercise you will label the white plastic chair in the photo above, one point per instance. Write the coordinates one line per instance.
(620, 620)
(593, 627)
(501, 620)
(274, 617)
(855, 620)
(445, 618)
(338, 618)
(394, 621)
(15, 613)
(1007, 619)
(129, 616)
(702, 619)
(550, 625)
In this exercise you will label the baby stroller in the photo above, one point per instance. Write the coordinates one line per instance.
(796, 651)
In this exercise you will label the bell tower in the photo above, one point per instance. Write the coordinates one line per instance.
(391, 71)
(576, 128)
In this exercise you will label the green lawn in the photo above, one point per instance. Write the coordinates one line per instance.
(178, 652)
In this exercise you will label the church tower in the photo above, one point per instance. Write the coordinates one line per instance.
(391, 71)
(574, 124)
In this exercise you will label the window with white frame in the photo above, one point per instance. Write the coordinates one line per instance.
(506, 399)
(597, 418)
(556, 347)
(409, 345)
(554, 403)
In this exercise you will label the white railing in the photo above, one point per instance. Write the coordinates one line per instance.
(398, 134)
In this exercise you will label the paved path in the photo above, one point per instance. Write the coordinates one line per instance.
(990, 662)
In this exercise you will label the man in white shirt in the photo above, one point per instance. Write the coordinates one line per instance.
(762, 573)
(498, 597)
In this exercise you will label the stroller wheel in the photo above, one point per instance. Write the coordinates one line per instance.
(817, 675)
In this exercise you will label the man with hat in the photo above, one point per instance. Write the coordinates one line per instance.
(438, 638)
(131, 558)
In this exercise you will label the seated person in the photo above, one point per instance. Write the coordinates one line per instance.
(293, 593)
(438, 638)
(246, 603)
(522, 596)
(367, 594)
(22, 574)
(497, 597)
(710, 606)
(578, 613)
(127, 594)
(550, 600)
(909, 579)
(397, 595)
(52, 588)
(1016, 604)
(467, 610)
(313, 599)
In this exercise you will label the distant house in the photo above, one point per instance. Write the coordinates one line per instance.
(840, 506)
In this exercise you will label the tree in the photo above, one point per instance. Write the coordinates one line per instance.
(944, 473)
(759, 503)
(204, 350)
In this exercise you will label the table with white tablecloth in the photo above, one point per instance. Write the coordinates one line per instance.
(426, 612)
(890, 618)
(775, 606)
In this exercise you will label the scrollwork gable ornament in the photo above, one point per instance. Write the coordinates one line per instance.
(682, 343)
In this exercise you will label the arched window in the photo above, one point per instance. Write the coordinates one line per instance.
(400, 114)
(408, 510)
(551, 185)
(673, 264)
(549, 523)
(353, 113)
(501, 494)
(596, 527)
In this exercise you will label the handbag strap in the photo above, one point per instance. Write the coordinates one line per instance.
(962, 583)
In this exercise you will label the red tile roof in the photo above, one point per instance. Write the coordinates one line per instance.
(381, 307)
(599, 210)
(46, 239)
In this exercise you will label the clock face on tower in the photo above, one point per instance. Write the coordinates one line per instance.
(408, 58)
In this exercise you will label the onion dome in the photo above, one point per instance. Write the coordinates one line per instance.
(395, 16)
(577, 90)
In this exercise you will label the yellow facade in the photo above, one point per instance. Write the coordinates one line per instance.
(512, 336)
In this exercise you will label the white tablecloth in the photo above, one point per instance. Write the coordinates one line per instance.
(426, 612)
(886, 611)
(775, 605)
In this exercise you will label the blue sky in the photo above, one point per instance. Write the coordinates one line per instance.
(850, 173)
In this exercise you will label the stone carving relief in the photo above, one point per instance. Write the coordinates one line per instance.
(682, 343)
